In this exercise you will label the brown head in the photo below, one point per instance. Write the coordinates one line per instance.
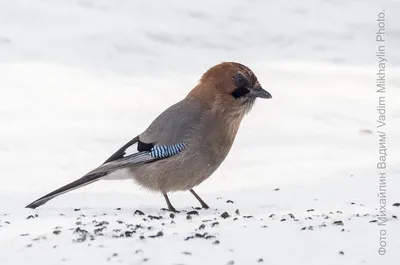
(230, 87)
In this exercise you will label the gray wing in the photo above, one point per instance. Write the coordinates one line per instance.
(166, 136)
(174, 125)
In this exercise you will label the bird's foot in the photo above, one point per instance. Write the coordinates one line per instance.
(205, 206)
(172, 209)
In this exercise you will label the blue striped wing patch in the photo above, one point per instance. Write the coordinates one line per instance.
(166, 151)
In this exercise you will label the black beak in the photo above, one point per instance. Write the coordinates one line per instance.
(259, 92)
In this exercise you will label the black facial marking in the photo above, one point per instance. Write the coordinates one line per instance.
(141, 147)
(240, 92)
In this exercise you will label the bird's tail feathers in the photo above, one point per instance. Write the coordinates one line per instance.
(83, 181)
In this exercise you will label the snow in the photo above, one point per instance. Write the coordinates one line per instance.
(78, 79)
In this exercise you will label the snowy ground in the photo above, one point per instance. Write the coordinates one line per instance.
(78, 79)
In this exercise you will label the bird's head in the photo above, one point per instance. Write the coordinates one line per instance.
(234, 86)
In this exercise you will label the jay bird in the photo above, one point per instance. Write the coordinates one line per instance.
(186, 143)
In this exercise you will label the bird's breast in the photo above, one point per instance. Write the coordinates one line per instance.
(215, 140)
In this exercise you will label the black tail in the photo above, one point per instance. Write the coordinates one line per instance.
(83, 181)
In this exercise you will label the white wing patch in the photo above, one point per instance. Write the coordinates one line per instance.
(131, 150)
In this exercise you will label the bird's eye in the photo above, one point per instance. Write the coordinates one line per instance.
(240, 80)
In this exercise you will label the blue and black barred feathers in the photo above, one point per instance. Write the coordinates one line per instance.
(166, 151)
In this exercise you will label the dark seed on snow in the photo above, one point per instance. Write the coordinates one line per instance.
(102, 223)
(24, 234)
(231, 262)
(159, 234)
(139, 212)
(216, 242)
(260, 260)
(202, 226)
(225, 215)
(291, 216)
(214, 224)
(77, 210)
(118, 209)
(303, 228)
(193, 213)
(310, 210)
(229, 201)
(188, 217)
(152, 217)
(128, 233)
(283, 220)
(373, 221)
(237, 212)
(338, 223)
(394, 216)
(200, 235)
(186, 253)
(247, 216)
(276, 189)
(172, 215)
(30, 217)
(141, 237)
(234, 219)
(341, 253)
(396, 204)
(271, 215)
(56, 232)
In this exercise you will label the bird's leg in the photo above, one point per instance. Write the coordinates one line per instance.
(203, 204)
(170, 207)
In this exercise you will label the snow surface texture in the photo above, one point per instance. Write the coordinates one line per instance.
(80, 78)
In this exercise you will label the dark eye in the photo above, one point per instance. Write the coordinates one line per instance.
(240, 80)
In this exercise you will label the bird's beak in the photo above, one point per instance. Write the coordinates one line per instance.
(259, 92)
